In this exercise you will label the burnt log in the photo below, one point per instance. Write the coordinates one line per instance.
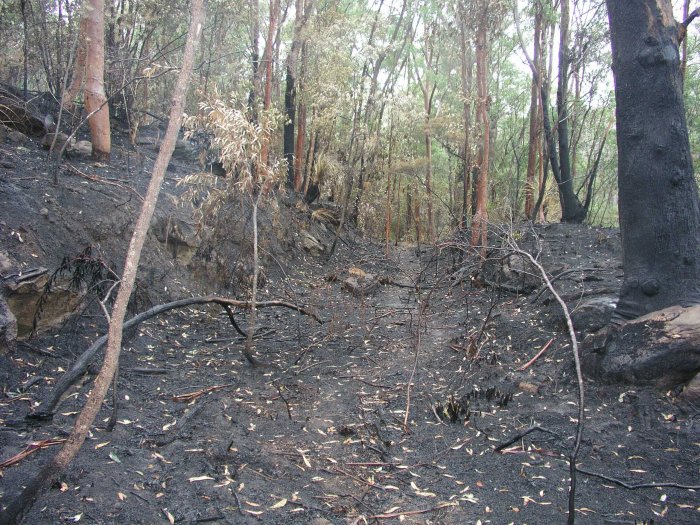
(660, 349)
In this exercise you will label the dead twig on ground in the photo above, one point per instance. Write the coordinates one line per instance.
(310, 366)
(521, 435)
(398, 514)
(370, 484)
(474, 349)
(182, 424)
(634, 486)
(368, 383)
(94, 178)
(148, 371)
(30, 449)
(542, 351)
(284, 399)
(544, 287)
(186, 398)
(423, 305)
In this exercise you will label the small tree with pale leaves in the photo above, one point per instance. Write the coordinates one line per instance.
(239, 142)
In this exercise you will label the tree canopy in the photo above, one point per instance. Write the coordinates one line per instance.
(384, 107)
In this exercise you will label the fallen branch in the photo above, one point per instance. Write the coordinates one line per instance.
(30, 449)
(286, 403)
(369, 383)
(634, 486)
(148, 371)
(182, 424)
(47, 406)
(392, 515)
(186, 398)
(521, 435)
(544, 349)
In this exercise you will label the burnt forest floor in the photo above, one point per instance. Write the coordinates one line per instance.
(388, 412)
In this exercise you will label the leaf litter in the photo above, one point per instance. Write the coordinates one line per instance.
(321, 433)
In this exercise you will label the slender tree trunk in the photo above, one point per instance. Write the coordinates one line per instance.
(572, 211)
(25, 48)
(95, 97)
(416, 219)
(659, 208)
(267, 60)
(397, 192)
(538, 211)
(310, 160)
(18, 507)
(387, 223)
(299, 148)
(254, 9)
(535, 125)
(409, 210)
(290, 91)
(480, 220)
(466, 72)
(290, 112)
(78, 76)
(248, 350)
(429, 180)
(428, 87)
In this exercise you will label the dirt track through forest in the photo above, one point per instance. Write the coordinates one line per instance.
(321, 434)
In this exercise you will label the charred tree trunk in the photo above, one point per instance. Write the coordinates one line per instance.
(571, 208)
(303, 9)
(254, 59)
(387, 223)
(299, 149)
(659, 206)
(290, 108)
(25, 47)
(428, 88)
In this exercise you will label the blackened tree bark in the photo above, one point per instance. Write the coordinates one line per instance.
(254, 8)
(659, 207)
(267, 61)
(571, 208)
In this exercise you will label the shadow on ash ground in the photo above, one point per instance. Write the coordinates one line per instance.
(319, 435)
